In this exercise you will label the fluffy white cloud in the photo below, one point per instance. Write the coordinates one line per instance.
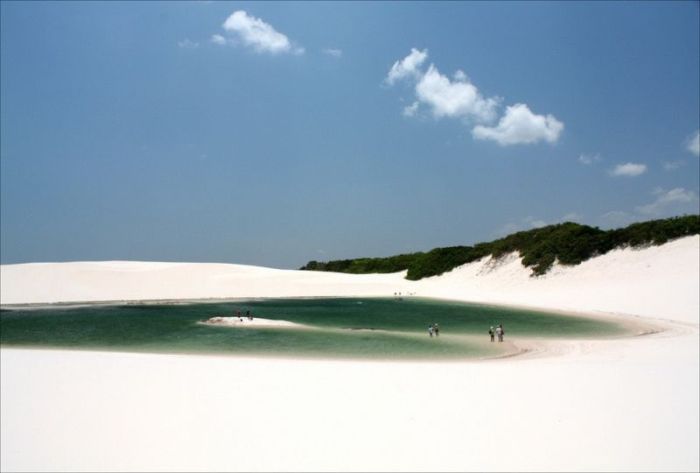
(520, 126)
(458, 98)
(588, 159)
(333, 52)
(407, 67)
(218, 39)
(187, 44)
(629, 170)
(257, 34)
(675, 198)
(693, 143)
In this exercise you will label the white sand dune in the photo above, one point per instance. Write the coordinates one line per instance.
(127, 280)
(625, 404)
(663, 279)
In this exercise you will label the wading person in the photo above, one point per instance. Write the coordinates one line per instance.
(491, 333)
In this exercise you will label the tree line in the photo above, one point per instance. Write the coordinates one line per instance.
(568, 243)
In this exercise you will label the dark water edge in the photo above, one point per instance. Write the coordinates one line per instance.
(339, 328)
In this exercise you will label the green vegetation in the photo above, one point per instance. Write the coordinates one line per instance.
(391, 264)
(569, 243)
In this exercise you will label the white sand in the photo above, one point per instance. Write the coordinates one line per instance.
(589, 405)
(245, 322)
(127, 280)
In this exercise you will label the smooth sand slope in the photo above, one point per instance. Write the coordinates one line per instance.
(627, 404)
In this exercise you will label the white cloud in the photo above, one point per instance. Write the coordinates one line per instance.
(588, 159)
(411, 110)
(458, 98)
(187, 44)
(218, 39)
(333, 52)
(629, 170)
(520, 126)
(257, 34)
(407, 67)
(693, 143)
(673, 199)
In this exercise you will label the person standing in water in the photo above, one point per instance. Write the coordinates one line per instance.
(499, 333)
(491, 333)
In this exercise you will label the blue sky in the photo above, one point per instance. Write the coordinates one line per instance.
(278, 133)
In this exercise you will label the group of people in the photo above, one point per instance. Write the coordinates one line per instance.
(248, 315)
(399, 297)
(434, 329)
(497, 332)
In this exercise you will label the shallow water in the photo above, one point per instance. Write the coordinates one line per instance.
(335, 328)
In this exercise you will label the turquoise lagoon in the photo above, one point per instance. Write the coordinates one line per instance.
(366, 328)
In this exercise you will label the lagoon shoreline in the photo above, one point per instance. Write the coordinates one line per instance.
(580, 405)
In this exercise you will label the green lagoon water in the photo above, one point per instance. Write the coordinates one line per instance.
(334, 328)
